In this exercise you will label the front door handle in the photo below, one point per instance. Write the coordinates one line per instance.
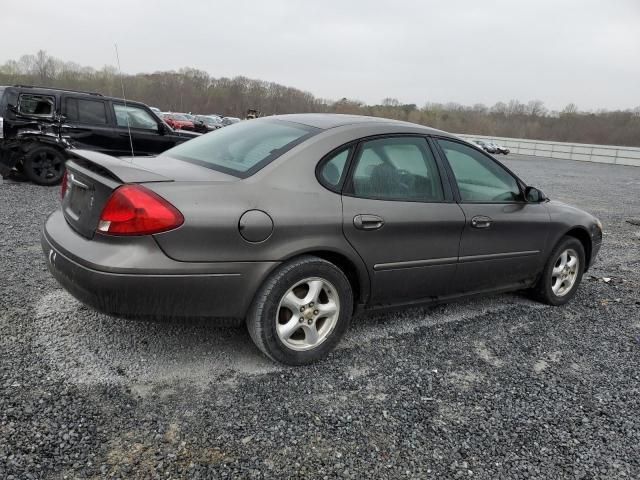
(481, 221)
(368, 222)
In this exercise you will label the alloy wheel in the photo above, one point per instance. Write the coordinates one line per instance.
(307, 313)
(565, 272)
(47, 165)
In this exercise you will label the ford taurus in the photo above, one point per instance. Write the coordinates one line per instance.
(294, 223)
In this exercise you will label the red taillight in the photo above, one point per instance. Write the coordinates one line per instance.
(64, 185)
(135, 210)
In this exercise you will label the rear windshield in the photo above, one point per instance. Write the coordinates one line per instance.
(243, 148)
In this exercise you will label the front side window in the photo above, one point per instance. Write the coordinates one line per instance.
(401, 168)
(243, 148)
(479, 178)
(137, 117)
(40, 105)
(90, 112)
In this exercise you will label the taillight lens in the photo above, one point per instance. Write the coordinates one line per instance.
(64, 185)
(135, 210)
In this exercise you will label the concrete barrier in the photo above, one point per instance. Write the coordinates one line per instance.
(568, 151)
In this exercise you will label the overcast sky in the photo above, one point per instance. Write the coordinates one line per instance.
(465, 51)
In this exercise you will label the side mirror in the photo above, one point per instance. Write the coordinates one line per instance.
(533, 195)
(162, 128)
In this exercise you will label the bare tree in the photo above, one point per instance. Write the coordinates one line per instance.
(196, 91)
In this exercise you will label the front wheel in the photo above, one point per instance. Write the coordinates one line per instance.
(562, 273)
(301, 311)
(44, 165)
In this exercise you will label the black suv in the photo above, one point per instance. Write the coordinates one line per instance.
(38, 124)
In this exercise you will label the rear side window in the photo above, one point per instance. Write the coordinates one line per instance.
(41, 105)
(332, 170)
(90, 112)
(243, 148)
(402, 169)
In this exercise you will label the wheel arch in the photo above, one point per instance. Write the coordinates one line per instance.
(33, 144)
(354, 271)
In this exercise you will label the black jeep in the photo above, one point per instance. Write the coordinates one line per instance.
(38, 124)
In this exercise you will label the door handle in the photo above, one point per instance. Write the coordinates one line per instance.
(368, 222)
(481, 221)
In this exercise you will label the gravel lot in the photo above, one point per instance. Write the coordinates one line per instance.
(495, 388)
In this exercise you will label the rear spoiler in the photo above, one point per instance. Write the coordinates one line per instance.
(116, 168)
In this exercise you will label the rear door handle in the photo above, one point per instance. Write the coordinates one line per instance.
(481, 221)
(368, 222)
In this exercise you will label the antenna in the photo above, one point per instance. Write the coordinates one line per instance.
(126, 109)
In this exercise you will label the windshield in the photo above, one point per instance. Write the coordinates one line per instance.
(243, 148)
(174, 116)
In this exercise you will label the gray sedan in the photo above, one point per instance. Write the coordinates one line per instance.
(295, 223)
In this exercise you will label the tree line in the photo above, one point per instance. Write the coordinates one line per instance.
(196, 91)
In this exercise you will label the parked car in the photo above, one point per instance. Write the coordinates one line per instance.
(210, 123)
(226, 121)
(296, 222)
(200, 124)
(179, 121)
(486, 146)
(491, 147)
(38, 125)
(501, 149)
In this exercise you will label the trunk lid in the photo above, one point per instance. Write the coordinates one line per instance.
(93, 176)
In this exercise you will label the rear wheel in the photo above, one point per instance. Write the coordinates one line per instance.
(301, 311)
(562, 273)
(44, 165)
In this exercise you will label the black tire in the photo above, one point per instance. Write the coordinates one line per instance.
(543, 291)
(44, 165)
(264, 312)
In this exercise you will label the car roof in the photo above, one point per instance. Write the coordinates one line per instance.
(38, 90)
(325, 121)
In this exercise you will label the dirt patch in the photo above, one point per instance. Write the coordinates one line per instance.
(465, 380)
(487, 355)
(540, 366)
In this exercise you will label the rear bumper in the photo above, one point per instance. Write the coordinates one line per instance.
(133, 278)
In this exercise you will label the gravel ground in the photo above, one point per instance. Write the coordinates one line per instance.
(500, 387)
